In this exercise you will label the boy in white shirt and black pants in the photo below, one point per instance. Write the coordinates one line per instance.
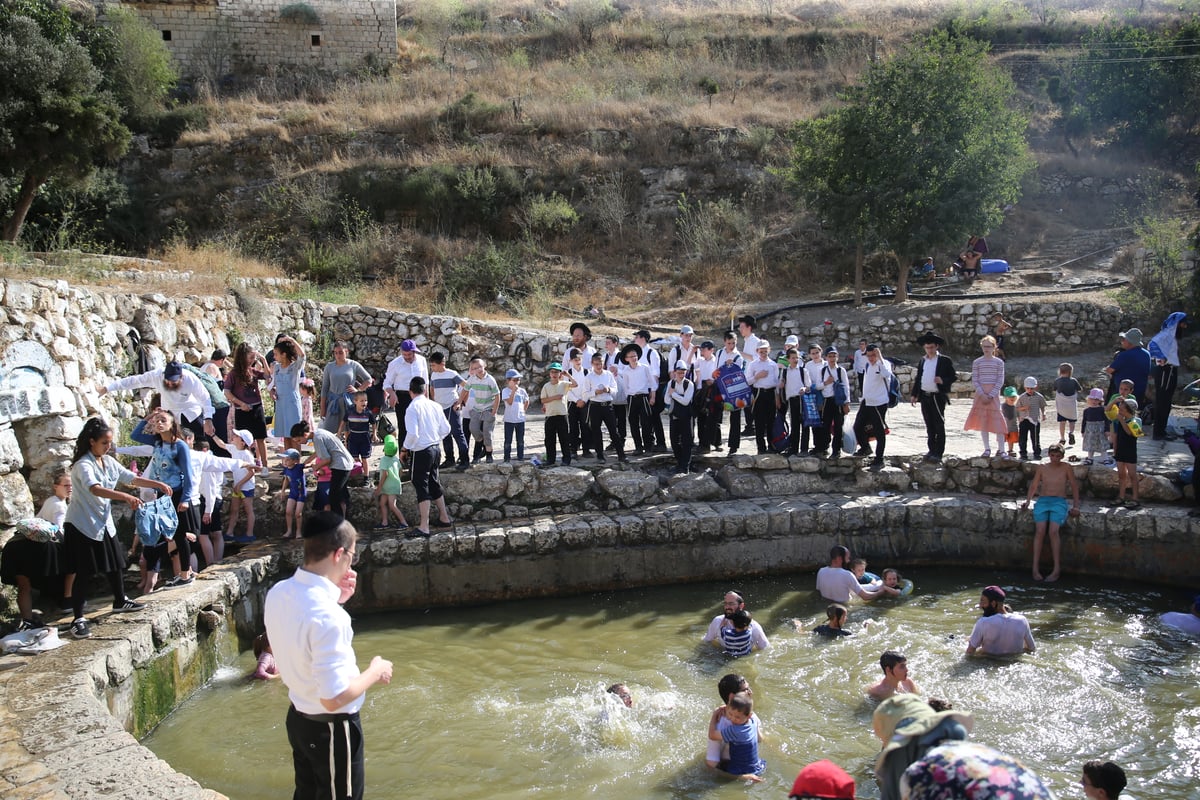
(763, 376)
(599, 387)
(680, 392)
(871, 419)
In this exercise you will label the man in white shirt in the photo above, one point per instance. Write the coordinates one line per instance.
(581, 338)
(860, 364)
(734, 603)
(400, 372)
(1188, 623)
(684, 351)
(935, 377)
(312, 637)
(427, 426)
(812, 377)
(837, 583)
(871, 419)
(999, 632)
(613, 363)
(746, 326)
(599, 388)
(180, 392)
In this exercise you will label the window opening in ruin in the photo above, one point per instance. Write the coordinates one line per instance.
(166, 36)
(316, 40)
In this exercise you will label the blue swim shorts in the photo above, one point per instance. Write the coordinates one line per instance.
(1050, 509)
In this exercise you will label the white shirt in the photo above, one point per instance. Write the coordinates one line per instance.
(425, 424)
(587, 351)
(750, 347)
(54, 510)
(704, 368)
(876, 380)
(313, 642)
(757, 637)
(652, 358)
(754, 375)
(681, 392)
(725, 357)
(188, 402)
(860, 361)
(611, 360)
(812, 373)
(637, 380)
(1002, 634)
(1188, 623)
(686, 355)
(400, 372)
(575, 393)
(593, 381)
(837, 585)
(795, 382)
(840, 375)
(211, 470)
(929, 374)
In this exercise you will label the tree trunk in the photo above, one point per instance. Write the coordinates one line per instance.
(902, 283)
(29, 189)
(858, 274)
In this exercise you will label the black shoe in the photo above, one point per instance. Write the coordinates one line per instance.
(447, 464)
(877, 464)
(412, 533)
(488, 458)
(437, 523)
(80, 629)
(862, 452)
(127, 606)
(624, 459)
(1071, 438)
(462, 467)
(178, 581)
(816, 453)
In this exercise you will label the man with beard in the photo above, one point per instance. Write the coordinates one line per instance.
(999, 632)
(733, 604)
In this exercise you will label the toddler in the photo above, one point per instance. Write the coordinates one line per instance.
(1031, 412)
(308, 393)
(736, 636)
(516, 403)
(388, 485)
(836, 619)
(266, 669)
(741, 732)
(1128, 429)
(1095, 426)
(297, 493)
(321, 496)
(243, 485)
(1112, 412)
(891, 578)
(859, 567)
(358, 431)
(1009, 410)
(1066, 403)
(727, 687)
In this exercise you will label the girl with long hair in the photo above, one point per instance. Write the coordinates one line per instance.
(241, 389)
(171, 463)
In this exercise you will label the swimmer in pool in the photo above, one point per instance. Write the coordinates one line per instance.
(733, 603)
(859, 567)
(741, 731)
(622, 692)
(836, 619)
(891, 578)
(895, 678)
(727, 687)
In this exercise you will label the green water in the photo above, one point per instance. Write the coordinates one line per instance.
(506, 701)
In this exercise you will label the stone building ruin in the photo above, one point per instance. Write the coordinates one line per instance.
(209, 38)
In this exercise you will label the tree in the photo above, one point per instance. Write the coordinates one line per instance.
(927, 150)
(144, 74)
(54, 120)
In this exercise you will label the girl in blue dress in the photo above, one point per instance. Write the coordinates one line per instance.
(287, 371)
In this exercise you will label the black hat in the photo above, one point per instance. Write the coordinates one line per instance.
(173, 371)
(581, 326)
(929, 337)
(631, 347)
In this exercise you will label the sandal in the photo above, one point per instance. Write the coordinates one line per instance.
(1073, 459)
(1132, 504)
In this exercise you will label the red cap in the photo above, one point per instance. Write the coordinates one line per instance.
(823, 779)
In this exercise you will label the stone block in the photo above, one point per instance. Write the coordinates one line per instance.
(575, 533)
(546, 539)
(693, 487)
(740, 482)
(442, 548)
(384, 552)
(630, 488)
(520, 540)
(559, 486)
(804, 464)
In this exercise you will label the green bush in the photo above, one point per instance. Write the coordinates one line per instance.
(483, 273)
(547, 216)
(470, 115)
(166, 127)
(300, 14)
(144, 74)
(326, 263)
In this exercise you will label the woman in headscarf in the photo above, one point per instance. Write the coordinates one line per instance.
(1164, 375)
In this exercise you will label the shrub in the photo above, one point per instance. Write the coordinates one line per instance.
(326, 263)
(483, 273)
(470, 115)
(144, 74)
(547, 216)
(300, 14)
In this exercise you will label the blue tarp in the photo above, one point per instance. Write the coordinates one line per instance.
(994, 265)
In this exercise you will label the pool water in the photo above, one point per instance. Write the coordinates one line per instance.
(508, 701)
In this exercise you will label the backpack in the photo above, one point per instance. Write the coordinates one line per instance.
(780, 434)
(664, 372)
(894, 392)
(215, 395)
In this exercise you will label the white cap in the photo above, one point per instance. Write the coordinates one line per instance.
(680, 365)
(686, 329)
(791, 340)
(246, 437)
(1031, 382)
(763, 344)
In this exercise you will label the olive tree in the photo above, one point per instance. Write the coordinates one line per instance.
(927, 150)
(54, 119)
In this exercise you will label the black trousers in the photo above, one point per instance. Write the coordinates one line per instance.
(871, 421)
(602, 414)
(681, 440)
(933, 410)
(578, 433)
(764, 417)
(556, 432)
(1166, 382)
(425, 478)
(621, 411)
(639, 421)
(327, 755)
(403, 401)
(795, 409)
(1027, 431)
(656, 423)
(339, 491)
(833, 422)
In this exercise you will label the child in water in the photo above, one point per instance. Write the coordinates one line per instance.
(833, 627)
(736, 636)
(266, 669)
(859, 567)
(891, 579)
(739, 729)
(727, 687)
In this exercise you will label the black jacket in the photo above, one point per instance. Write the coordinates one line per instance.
(945, 371)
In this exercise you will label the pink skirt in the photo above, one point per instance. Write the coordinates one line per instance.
(986, 416)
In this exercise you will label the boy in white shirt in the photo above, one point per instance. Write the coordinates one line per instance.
(516, 403)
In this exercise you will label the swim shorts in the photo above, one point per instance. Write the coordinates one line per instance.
(1050, 509)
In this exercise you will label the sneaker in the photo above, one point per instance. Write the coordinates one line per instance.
(178, 581)
(244, 540)
(127, 606)
(863, 452)
(1087, 462)
(80, 629)
(26, 625)
(383, 526)
(1071, 438)
(462, 467)
(1109, 462)
(987, 453)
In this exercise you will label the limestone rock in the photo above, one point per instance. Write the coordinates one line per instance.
(16, 503)
(694, 487)
(767, 461)
(560, 485)
(805, 464)
(1157, 489)
(630, 488)
(740, 482)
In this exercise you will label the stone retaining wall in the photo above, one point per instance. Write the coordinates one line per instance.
(65, 715)
(1057, 328)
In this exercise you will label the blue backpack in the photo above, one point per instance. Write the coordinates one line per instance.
(894, 392)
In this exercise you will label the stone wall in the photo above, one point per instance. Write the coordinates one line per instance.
(1056, 328)
(344, 35)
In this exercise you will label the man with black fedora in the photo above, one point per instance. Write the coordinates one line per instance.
(581, 338)
(931, 388)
